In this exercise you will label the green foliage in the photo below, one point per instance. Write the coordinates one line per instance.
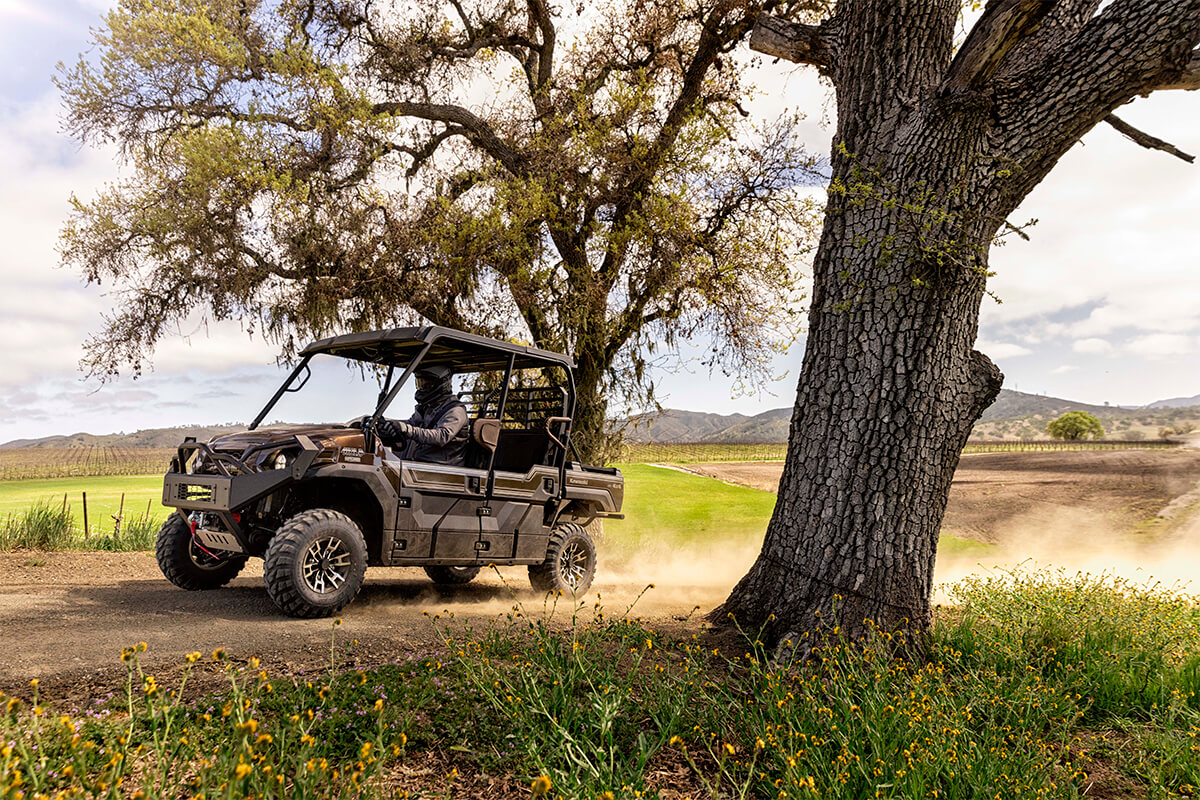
(1038, 684)
(1075, 425)
(586, 182)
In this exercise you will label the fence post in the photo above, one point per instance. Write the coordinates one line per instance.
(86, 533)
(117, 518)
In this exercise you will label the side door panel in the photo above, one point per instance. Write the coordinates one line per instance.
(443, 520)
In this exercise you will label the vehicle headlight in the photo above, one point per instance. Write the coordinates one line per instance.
(280, 461)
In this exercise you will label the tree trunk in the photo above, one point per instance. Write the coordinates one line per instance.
(591, 409)
(890, 385)
(888, 392)
(933, 153)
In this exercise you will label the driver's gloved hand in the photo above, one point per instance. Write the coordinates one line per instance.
(391, 432)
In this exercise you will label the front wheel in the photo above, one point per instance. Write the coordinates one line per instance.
(451, 576)
(570, 562)
(315, 563)
(187, 564)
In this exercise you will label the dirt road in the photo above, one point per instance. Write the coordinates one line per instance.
(66, 616)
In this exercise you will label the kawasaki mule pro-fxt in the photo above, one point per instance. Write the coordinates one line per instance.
(320, 503)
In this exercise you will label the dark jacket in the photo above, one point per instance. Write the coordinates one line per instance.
(439, 433)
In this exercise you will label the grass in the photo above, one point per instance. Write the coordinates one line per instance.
(103, 498)
(49, 526)
(664, 510)
(1036, 685)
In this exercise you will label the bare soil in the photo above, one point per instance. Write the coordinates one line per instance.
(998, 496)
(66, 617)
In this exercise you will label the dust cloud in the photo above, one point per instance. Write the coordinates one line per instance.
(684, 576)
(1166, 552)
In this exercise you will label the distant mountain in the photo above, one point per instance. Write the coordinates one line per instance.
(677, 425)
(1013, 415)
(154, 437)
(769, 426)
(1176, 402)
(1013, 405)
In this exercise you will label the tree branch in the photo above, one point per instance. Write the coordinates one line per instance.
(477, 130)
(1131, 48)
(541, 16)
(1145, 139)
(793, 41)
(1004, 23)
(1189, 79)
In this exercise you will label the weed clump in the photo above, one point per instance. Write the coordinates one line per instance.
(42, 526)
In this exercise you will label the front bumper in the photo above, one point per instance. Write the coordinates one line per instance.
(225, 495)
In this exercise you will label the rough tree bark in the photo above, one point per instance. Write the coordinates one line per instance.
(933, 150)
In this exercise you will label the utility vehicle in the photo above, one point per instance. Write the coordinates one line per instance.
(321, 503)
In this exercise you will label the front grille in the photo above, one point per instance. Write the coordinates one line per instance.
(190, 492)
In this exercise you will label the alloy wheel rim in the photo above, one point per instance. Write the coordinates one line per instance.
(326, 565)
(572, 564)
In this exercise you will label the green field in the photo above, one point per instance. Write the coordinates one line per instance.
(103, 497)
(665, 510)
(668, 511)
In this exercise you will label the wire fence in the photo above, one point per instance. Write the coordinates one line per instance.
(704, 452)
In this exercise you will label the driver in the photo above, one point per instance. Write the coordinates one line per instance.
(437, 432)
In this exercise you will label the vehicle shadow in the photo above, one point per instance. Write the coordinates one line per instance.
(246, 599)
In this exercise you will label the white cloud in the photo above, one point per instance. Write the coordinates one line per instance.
(21, 10)
(212, 348)
(1116, 231)
(1162, 345)
(1002, 349)
(1064, 369)
(1092, 346)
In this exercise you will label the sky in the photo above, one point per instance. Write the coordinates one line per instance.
(1102, 305)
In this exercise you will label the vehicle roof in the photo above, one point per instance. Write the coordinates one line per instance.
(450, 348)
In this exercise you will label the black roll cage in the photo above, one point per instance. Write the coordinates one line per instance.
(393, 347)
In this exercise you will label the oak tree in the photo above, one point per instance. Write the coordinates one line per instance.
(584, 179)
(1075, 425)
(936, 145)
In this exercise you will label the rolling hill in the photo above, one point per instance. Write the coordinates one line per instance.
(1013, 415)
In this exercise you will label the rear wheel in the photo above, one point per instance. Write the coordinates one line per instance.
(570, 562)
(315, 563)
(189, 566)
(451, 576)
